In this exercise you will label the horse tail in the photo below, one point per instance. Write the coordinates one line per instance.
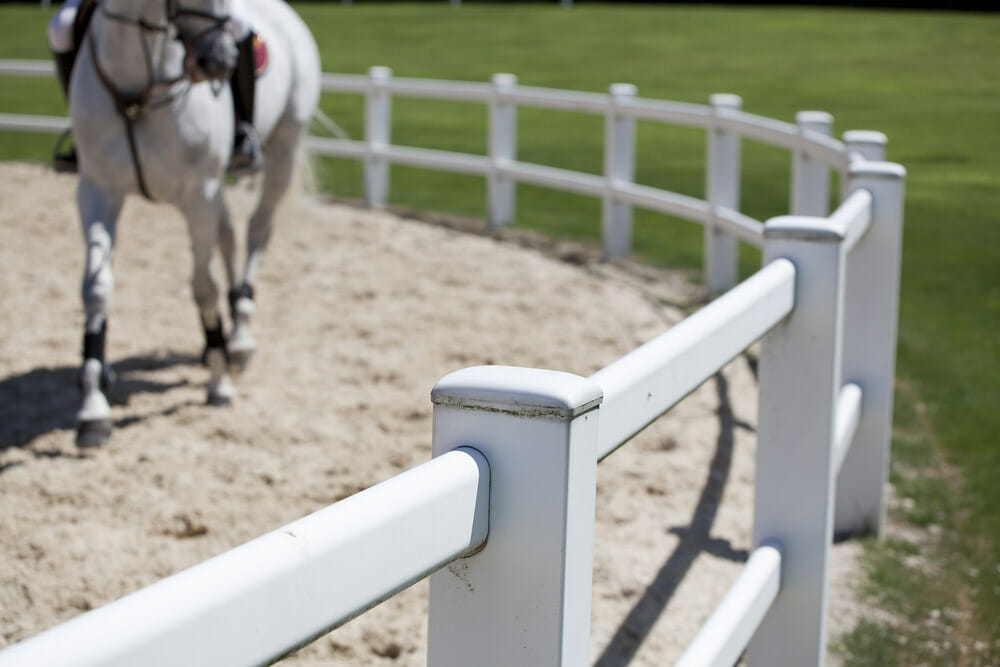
(304, 173)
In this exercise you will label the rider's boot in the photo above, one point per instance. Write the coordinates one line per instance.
(64, 67)
(246, 155)
(64, 159)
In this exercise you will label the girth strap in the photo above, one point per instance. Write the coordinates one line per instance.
(130, 132)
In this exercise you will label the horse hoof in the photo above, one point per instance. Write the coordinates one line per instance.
(240, 359)
(219, 400)
(93, 432)
(241, 344)
(222, 393)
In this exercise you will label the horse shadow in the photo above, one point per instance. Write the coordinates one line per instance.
(43, 400)
(695, 538)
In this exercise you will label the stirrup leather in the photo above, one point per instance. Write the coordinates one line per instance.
(246, 157)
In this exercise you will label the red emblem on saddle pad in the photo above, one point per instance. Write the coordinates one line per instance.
(259, 55)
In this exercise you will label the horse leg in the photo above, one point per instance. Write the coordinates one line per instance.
(279, 167)
(238, 347)
(98, 215)
(241, 306)
(203, 223)
(227, 244)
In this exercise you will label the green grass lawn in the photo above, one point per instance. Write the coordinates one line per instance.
(930, 81)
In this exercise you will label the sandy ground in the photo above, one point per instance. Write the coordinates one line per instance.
(359, 314)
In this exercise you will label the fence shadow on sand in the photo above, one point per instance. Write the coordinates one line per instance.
(695, 538)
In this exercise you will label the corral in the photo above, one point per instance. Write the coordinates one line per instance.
(364, 312)
(825, 303)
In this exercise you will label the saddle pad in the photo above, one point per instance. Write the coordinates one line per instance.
(259, 55)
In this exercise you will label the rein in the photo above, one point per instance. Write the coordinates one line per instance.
(130, 107)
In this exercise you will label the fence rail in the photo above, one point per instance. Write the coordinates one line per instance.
(814, 153)
(728, 630)
(647, 382)
(503, 517)
(253, 604)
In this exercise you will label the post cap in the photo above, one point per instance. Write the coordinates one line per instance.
(866, 137)
(726, 101)
(814, 119)
(804, 228)
(876, 169)
(530, 392)
(623, 90)
(504, 79)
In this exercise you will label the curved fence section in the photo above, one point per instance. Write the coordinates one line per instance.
(815, 154)
(823, 401)
(503, 517)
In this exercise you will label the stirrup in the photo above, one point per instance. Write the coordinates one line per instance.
(64, 159)
(246, 157)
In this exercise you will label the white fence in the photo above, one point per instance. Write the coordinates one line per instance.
(814, 153)
(453, 3)
(503, 516)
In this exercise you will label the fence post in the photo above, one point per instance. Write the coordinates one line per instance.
(378, 131)
(810, 192)
(503, 148)
(524, 599)
(871, 314)
(619, 165)
(869, 144)
(863, 145)
(799, 384)
(722, 188)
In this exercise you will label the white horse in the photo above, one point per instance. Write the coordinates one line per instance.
(151, 115)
